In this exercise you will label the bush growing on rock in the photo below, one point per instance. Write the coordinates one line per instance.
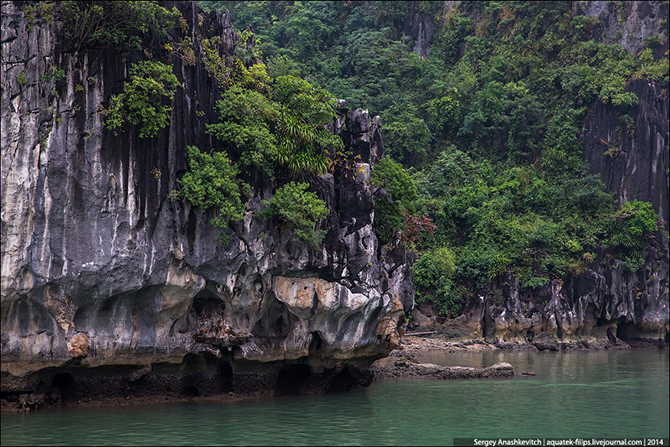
(143, 99)
(115, 23)
(246, 122)
(392, 209)
(299, 210)
(212, 182)
(630, 229)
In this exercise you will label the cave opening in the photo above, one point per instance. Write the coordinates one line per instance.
(291, 378)
(206, 304)
(65, 383)
(225, 376)
(190, 391)
(343, 381)
(274, 325)
(627, 331)
(316, 344)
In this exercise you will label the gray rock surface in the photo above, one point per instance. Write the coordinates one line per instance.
(602, 303)
(632, 159)
(628, 23)
(92, 244)
(404, 368)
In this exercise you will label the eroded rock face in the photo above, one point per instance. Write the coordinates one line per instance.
(627, 146)
(605, 302)
(78, 346)
(100, 266)
(628, 23)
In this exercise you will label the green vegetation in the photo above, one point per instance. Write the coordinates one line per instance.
(284, 126)
(114, 23)
(118, 24)
(212, 182)
(144, 98)
(21, 78)
(299, 210)
(487, 128)
(391, 208)
(57, 74)
(246, 118)
(630, 229)
(40, 11)
(433, 277)
(303, 112)
(272, 127)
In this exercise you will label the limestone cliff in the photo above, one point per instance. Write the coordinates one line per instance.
(100, 265)
(627, 146)
(628, 23)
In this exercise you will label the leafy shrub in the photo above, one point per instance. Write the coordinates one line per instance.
(304, 110)
(389, 209)
(433, 277)
(42, 10)
(212, 182)
(299, 210)
(630, 229)
(416, 228)
(408, 135)
(115, 23)
(445, 114)
(391, 176)
(214, 64)
(55, 73)
(245, 127)
(143, 99)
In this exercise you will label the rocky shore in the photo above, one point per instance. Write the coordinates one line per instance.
(405, 368)
(384, 369)
(151, 387)
(414, 345)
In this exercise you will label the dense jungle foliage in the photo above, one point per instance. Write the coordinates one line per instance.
(486, 126)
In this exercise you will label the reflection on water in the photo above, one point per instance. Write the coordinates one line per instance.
(576, 394)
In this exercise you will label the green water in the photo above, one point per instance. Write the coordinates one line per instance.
(575, 394)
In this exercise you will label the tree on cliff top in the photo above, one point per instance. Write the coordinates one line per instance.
(114, 23)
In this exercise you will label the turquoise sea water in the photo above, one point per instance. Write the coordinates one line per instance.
(610, 394)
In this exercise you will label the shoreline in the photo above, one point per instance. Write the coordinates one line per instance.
(401, 362)
(424, 342)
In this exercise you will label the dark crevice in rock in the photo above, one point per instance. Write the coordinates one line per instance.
(274, 324)
(64, 385)
(291, 378)
(343, 381)
(316, 344)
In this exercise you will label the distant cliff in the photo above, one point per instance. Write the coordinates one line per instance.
(627, 146)
(100, 266)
